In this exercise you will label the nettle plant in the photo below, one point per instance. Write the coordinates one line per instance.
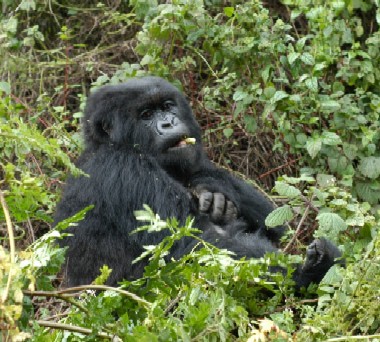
(328, 107)
(335, 209)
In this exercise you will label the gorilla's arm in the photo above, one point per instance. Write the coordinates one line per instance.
(252, 204)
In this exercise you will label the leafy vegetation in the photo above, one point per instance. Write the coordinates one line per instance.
(287, 93)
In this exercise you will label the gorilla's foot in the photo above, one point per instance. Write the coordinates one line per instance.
(320, 256)
(321, 253)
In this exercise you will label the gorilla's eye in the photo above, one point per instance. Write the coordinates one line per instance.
(146, 114)
(168, 105)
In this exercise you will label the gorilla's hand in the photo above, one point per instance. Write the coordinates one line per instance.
(216, 204)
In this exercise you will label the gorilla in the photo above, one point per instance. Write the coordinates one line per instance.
(143, 146)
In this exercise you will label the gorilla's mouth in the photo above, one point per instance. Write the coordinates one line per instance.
(183, 142)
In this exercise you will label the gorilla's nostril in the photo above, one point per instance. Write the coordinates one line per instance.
(167, 125)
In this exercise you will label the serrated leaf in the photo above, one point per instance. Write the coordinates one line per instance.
(331, 223)
(239, 95)
(365, 191)
(292, 57)
(370, 167)
(324, 180)
(330, 105)
(357, 221)
(307, 58)
(312, 84)
(313, 146)
(330, 138)
(287, 190)
(333, 276)
(279, 216)
(279, 95)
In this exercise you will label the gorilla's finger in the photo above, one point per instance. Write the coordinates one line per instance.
(231, 212)
(218, 206)
(205, 201)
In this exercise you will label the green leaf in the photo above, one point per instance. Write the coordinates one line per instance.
(229, 11)
(279, 216)
(333, 276)
(370, 167)
(330, 138)
(239, 95)
(228, 132)
(331, 223)
(287, 190)
(292, 57)
(330, 105)
(5, 87)
(324, 180)
(313, 146)
(307, 58)
(279, 95)
(27, 5)
(312, 84)
(250, 123)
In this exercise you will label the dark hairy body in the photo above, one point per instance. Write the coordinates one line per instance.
(138, 151)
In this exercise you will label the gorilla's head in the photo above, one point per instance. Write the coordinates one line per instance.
(144, 115)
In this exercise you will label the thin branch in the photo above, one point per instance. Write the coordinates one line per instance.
(290, 162)
(74, 328)
(298, 230)
(67, 292)
(11, 244)
(173, 303)
(353, 338)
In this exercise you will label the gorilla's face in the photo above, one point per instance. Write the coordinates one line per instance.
(148, 115)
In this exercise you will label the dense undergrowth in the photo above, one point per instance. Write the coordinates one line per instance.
(287, 94)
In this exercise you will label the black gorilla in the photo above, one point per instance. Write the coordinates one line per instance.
(143, 146)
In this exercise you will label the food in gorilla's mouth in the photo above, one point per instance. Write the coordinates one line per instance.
(185, 141)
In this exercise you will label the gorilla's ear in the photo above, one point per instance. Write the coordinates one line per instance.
(100, 126)
(103, 127)
(98, 119)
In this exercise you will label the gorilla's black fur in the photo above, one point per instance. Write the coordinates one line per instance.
(138, 152)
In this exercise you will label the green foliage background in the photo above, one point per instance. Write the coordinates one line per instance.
(287, 93)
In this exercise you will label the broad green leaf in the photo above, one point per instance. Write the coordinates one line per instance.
(333, 276)
(366, 192)
(279, 216)
(228, 132)
(312, 84)
(5, 87)
(279, 95)
(370, 167)
(330, 138)
(292, 57)
(27, 5)
(239, 95)
(250, 123)
(229, 11)
(287, 190)
(357, 221)
(313, 146)
(330, 105)
(307, 58)
(325, 181)
(331, 223)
